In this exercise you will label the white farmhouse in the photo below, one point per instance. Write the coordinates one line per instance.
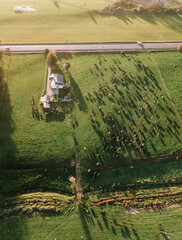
(56, 81)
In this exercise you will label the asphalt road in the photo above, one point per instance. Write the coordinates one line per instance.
(90, 47)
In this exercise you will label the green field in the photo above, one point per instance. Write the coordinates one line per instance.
(121, 111)
(79, 225)
(171, 75)
(124, 125)
(78, 21)
(28, 140)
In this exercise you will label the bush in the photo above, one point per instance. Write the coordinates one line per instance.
(66, 66)
(52, 59)
(46, 51)
(180, 48)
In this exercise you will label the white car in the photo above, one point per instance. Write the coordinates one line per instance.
(140, 43)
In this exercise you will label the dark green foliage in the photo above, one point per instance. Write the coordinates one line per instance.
(46, 51)
(52, 58)
(66, 66)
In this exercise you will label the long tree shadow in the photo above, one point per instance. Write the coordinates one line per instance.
(56, 4)
(7, 150)
(7, 146)
(83, 219)
(77, 95)
(91, 14)
(170, 20)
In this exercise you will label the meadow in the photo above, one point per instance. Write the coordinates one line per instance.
(61, 21)
(124, 124)
(121, 111)
(171, 75)
(124, 114)
(28, 140)
(110, 222)
(124, 111)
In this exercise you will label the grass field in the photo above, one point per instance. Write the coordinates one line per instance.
(171, 75)
(124, 110)
(122, 102)
(30, 140)
(121, 110)
(96, 225)
(78, 21)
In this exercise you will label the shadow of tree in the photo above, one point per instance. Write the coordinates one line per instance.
(56, 4)
(77, 95)
(172, 20)
(91, 14)
(83, 219)
(7, 146)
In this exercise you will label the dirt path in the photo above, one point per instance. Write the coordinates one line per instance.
(78, 182)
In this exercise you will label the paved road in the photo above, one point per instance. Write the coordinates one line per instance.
(88, 47)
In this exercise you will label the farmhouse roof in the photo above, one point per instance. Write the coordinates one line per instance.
(57, 81)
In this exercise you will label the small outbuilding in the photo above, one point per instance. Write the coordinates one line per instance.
(45, 100)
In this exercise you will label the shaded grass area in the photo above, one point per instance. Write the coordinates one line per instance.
(63, 17)
(110, 223)
(33, 140)
(7, 145)
(121, 177)
(23, 181)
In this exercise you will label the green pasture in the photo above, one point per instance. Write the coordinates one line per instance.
(63, 21)
(122, 108)
(28, 140)
(110, 223)
(171, 74)
(121, 111)
(51, 179)
(126, 108)
(115, 177)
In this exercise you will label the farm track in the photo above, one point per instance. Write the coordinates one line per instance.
(78, 182)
